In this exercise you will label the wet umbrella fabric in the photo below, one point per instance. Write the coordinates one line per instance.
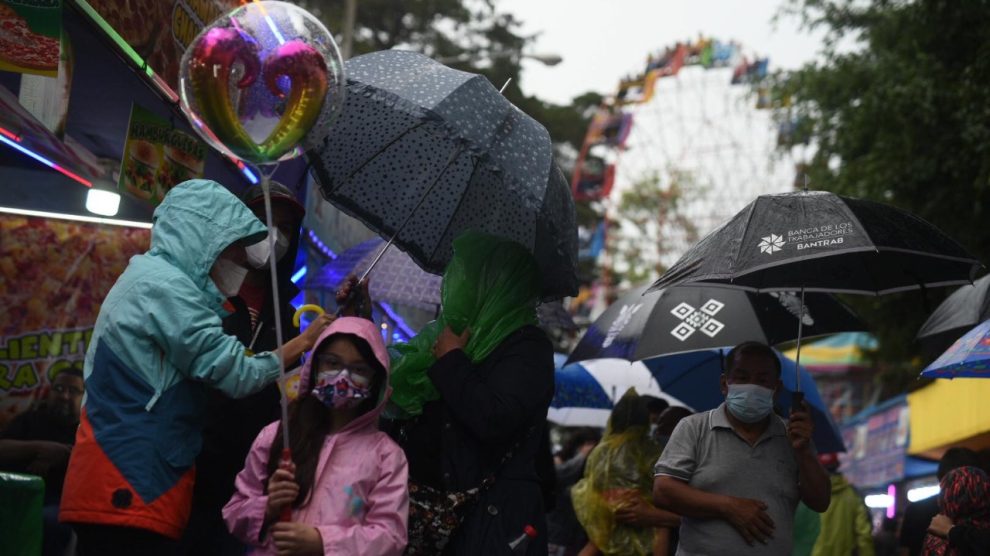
(824, 242)
(703, 317)
(444, 146)
(693, 378)
(969, 356)
(964, 309)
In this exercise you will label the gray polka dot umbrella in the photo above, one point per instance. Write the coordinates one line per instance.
(423, 152)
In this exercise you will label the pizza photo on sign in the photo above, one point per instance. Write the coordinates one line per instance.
(28, 41)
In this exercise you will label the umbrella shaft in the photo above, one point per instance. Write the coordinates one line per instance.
(422, 199)
(797, 375)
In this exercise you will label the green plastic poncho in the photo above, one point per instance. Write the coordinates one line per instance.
(491, 287)
(620, 467)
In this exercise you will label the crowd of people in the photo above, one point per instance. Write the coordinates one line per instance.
(436, 446)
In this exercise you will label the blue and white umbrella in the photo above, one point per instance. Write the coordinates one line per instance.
(586, 392)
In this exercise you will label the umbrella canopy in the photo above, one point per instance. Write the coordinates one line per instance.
(398, 279)
(703, 317)
(395, 279)
(824, 242)
(961, 311)
(693, 378)
(968, 357)
(442, 147)
(585, 393)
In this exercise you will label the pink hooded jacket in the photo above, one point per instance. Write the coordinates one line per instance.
(360, 500)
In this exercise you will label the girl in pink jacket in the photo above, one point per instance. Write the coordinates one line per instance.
(348, 484)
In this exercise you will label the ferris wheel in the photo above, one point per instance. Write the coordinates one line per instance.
(699, 114)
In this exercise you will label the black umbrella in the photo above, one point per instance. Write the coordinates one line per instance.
(818, 241)
(702, 317)
(961, 311)
(422, 152)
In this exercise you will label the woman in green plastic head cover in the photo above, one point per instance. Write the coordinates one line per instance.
(471, 393)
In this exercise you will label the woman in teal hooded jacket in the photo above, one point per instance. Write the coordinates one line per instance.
(157, 346)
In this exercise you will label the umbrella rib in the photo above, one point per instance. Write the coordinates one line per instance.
(368, 159)
(749, 219)
(460, 201)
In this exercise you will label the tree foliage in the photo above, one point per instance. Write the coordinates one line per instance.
(471, 35)
(903, 117)
(648, 221)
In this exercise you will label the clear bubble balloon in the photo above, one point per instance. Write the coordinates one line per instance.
(263, 83)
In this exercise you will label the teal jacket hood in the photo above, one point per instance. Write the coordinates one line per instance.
(195, 222)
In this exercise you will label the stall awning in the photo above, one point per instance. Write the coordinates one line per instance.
(877, 439)
(950, 413)
(837, 354)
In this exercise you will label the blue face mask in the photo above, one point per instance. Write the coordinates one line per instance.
(749, 403)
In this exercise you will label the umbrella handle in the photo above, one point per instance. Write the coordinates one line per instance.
(308, 308)
(797, 398)
(350, 299)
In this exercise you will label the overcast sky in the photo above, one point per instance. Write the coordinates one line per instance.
(600, 40)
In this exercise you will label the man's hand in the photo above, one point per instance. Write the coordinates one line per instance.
(940, 526)
(48, 456)
(750, 518)
(800, 429)
(448, 341)
(296, 539)
(282, 490)
(354, 299)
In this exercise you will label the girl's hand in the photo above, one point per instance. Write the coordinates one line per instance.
(296, 539)
(282, 490)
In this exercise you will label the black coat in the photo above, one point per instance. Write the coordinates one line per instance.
(486, 410)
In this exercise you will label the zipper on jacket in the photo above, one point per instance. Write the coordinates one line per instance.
(160, 382)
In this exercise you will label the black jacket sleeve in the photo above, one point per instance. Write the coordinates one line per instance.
(970, 540)
(519, 386)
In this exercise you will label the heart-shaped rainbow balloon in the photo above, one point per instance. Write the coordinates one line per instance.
(212, 70)
(263, 82)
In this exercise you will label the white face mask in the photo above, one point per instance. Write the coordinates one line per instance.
(228, 276)
(257, 254)
(281, 245)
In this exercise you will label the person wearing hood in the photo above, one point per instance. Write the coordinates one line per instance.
(846, 527)
(613, 500)
(157, 348)
(347, 481)
(232, 424)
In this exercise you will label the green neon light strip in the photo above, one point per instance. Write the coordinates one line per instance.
(96, 17)
(131, 53)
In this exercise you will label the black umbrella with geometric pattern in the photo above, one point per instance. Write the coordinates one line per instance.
(702, 317)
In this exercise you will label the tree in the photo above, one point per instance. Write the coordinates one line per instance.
(902, 118)
(648, 225)
(471, 35)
